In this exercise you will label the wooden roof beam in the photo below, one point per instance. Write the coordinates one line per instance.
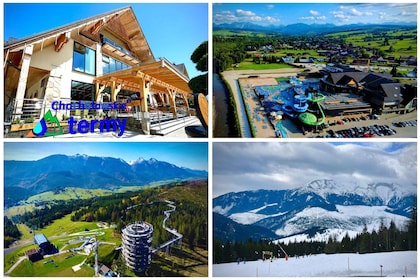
(96, 27)
(61, 40)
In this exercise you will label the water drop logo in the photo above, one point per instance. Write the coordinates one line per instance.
(41, 128)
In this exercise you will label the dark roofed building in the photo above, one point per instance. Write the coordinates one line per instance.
(379, 89)
(386, 95)
(354, 82)
(45, 247)
(33, 255)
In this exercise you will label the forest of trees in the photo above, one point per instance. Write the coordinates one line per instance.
(190, 217)
(385, 239)
(11, 232)
(43, 216)
(228, 51)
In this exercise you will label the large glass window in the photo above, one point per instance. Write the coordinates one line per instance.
(110, 65)
(84, 59)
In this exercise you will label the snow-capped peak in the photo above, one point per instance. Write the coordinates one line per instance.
(322, 187)
(139, 160)
(385, 191)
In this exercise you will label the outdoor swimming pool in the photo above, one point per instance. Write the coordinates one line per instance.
(284, 92)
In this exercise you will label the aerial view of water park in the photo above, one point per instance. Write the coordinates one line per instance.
(301, 104)
(312, 80)
(267, 105)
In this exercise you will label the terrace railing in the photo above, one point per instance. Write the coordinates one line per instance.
(31, 109)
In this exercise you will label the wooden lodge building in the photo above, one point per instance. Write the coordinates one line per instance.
(105, 58)
(368, 91)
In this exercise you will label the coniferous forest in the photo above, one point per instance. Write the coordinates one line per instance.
(386, 239)
(120, 209)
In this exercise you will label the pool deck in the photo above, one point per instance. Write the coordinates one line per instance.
(265, 77)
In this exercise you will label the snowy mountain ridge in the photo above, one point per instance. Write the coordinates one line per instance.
(324, 187)
(324, 205)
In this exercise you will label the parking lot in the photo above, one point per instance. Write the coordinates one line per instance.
(388, 125)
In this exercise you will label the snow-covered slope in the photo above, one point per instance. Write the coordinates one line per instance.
(348, 219)
(394, 264)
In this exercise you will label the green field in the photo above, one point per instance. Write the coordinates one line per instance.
(403, 42)
(68, 193)
(60, 267)
(58, 232)
(66, 234)
(228, 33)
(181, 262)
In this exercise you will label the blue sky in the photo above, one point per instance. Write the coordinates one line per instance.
(191, 155)
(172, 30)
(310, 13)
(251, 166)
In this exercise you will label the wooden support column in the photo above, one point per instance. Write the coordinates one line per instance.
(145, 116)
(146, 85)
(115, 90)
(168, 99)
(23, 78)
(172, 95)
(185, 98)
(98, 92)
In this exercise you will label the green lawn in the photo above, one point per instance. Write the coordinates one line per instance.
(19, 210)
(246, 65)
(60, 267)
(69, 193)
(401, 46)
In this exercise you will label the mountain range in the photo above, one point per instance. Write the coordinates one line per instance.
(309, 29)
(25, 178)
(316, 210)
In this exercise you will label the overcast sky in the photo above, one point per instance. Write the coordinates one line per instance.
(310, 13)
(252, 166)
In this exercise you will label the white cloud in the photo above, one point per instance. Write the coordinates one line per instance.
(355, 12)
(314, 13)
(271, 19)
(242, 13)
(340, 16)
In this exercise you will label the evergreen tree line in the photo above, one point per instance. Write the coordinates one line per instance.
(385, 239)
(11, 232)
(45, 215)
(189, 219)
